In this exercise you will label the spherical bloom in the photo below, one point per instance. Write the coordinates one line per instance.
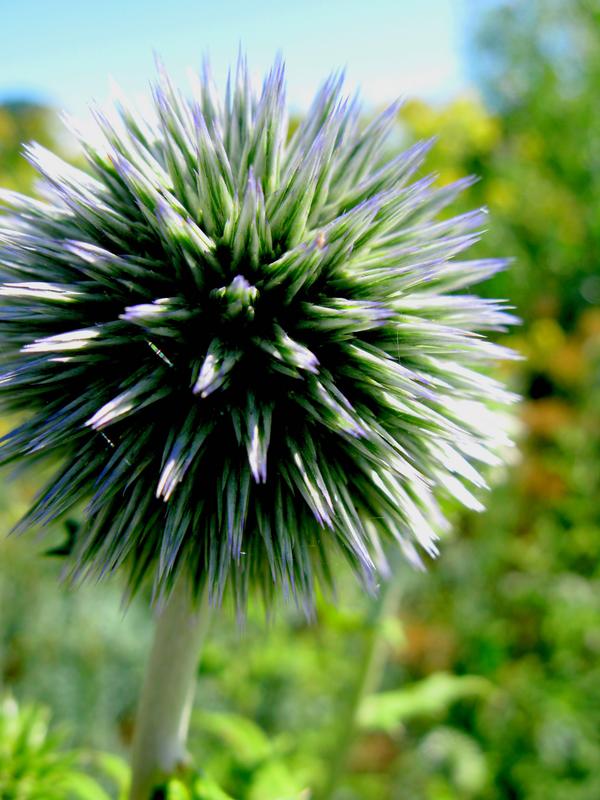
(249, 349)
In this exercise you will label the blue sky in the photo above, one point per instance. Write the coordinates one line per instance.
(63, 51)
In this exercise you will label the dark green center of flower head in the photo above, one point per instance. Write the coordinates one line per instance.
(237, 299)
(250, 350)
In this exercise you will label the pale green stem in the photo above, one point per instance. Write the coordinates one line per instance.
(165, 705)
(367, 679)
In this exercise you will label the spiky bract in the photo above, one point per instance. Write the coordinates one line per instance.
(248, 349)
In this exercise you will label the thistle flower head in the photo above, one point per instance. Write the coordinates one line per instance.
(249, 350)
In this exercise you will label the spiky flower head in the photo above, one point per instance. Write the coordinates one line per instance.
(249, 350)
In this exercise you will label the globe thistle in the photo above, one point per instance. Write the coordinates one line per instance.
(249, 350)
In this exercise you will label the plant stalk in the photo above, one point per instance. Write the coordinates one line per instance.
(165, 705)
(367, 679)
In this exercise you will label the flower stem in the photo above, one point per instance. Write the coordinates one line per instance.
(167, 695)
(367, 678)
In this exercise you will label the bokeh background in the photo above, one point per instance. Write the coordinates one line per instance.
(487, 682)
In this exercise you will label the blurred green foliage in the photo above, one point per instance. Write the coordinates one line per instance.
(489, 690)
(22, 122)
(35, 766)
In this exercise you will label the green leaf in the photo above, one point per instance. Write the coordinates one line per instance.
(453, 753)
(240, 735)
(176, 790)
(429, 697)
(114, 767)
(274, 781)
(207, 789)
